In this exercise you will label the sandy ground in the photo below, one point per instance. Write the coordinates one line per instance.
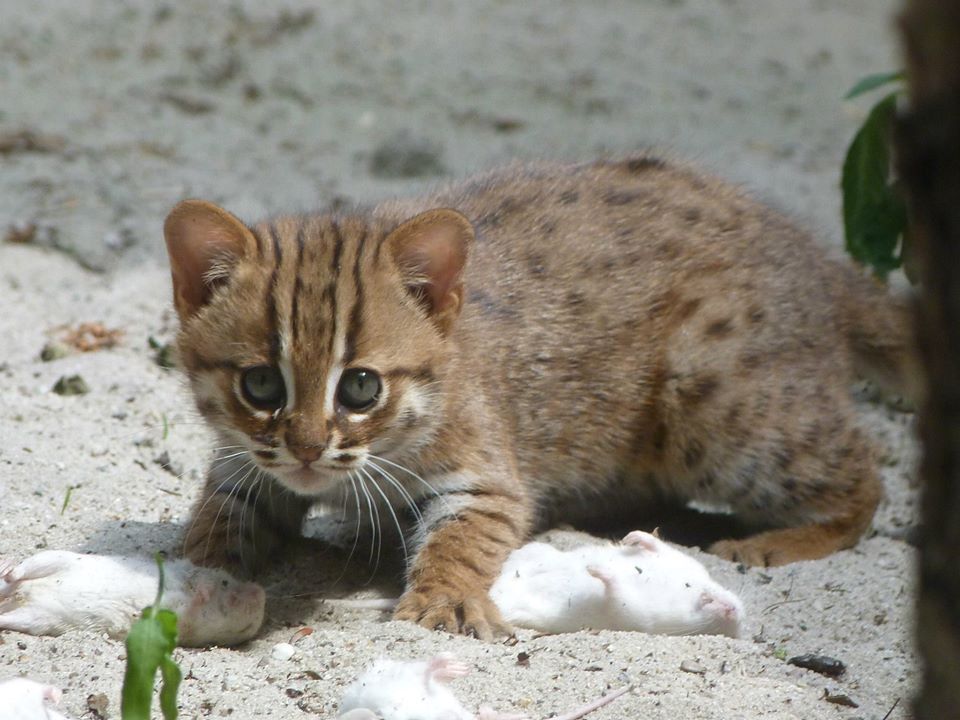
(113, 111)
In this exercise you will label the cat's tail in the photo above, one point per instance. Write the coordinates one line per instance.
(879, 327)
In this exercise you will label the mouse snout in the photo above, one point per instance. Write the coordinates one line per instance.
(723, 610)
(250, 593)
(717, 605)
(247, 595)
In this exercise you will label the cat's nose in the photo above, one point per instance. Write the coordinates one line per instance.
(303, 446)
(306, 453)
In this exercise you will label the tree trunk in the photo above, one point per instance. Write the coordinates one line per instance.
(929, 164)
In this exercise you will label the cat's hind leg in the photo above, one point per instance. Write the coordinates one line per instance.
(822, 490)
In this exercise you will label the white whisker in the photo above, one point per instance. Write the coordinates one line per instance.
(393, 514)
(258, 480)
(440, 498)
(410, 472)
(375, 534)
(243, 510)
(217, 491)
(404, 494)
(356, 535)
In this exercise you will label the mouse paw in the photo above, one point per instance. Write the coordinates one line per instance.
(474, 615)
(639, 541)
(603, 575)
(445, 667)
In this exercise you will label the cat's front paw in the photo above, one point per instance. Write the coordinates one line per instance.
(223, 533)
(467, 613)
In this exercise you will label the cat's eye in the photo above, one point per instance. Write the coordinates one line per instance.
(263, 387)
(358, 389)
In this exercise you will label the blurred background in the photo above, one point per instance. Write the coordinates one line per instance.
(112, 111)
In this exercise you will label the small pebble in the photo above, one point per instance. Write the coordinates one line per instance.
(694, 667)
(71, 385)
(283, 651)
(53, 351)
(164, 354)
(164, 461)
(839, 699)
(98, 704)
(116, 240)
(21, 232)
(823, 664)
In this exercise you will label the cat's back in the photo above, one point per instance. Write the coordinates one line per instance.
(561, 243)
(601, 297)
(573, 259)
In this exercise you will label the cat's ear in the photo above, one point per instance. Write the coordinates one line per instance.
(431, 251)
(203, 242)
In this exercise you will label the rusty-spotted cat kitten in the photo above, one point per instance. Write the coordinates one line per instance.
(537, 343)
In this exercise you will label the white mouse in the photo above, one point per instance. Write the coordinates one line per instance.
(415, 690)
(23, 699)
(55, 591)
(643, 584)
(406, 690)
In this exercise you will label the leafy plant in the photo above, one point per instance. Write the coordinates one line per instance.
(150, 645)
(874, 210)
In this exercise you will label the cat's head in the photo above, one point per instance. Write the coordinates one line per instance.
(316, 342)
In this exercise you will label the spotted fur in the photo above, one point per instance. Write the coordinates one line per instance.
(551, 341)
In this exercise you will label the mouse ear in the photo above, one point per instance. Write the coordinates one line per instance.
(203, 591)
(52, 694)
(639, 541)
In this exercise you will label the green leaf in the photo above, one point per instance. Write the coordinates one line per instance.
(171, 675)
(874, 211)
(872, 82)
(150, 645)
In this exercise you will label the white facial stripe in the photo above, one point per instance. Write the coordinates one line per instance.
(333, 442)
(415, 399)
(286, 370)
(336, 370)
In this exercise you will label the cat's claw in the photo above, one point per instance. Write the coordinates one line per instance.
(753, 552)
(474, 615)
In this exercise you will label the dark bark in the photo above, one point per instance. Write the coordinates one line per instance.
(929, 164)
